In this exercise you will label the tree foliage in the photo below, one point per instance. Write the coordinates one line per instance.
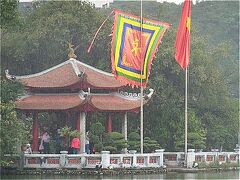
(9, 12)
(134, 141)
(196, 134)
(10, 90)
(96, 133)
(114, 142)
(14, 131)
(68, 133)
(149, 145)
(40, 41)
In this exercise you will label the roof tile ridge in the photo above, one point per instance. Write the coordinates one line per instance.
(77, 71)
(124, 95)
(100, 94)
(133, 96)
(95, 69)
(127, 95)
(39, 73)
(24, 96)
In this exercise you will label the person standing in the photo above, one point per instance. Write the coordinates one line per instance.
(28, 150)
(75, 145)
(45, 142)
(59, 140)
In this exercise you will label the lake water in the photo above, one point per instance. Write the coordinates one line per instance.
(170, 175)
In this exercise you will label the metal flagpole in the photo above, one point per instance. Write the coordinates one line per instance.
(186, 113)
(141, 96)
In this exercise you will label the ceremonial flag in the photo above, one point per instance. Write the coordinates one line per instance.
(133, 51)
(182, 43)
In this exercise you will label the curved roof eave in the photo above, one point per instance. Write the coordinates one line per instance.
(81, 101)
(65, 76)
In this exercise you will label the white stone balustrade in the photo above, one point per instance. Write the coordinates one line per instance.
(133, 159)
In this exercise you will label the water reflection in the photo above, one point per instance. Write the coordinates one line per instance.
(175, 176)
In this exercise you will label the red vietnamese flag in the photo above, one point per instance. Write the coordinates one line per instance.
(182, 43)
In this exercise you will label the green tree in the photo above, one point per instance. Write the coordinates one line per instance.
(10, 90)
(14, 131)
(96, 133)
(114, 142)
(149, 145)
(196, 134)
(42, 40)
(208, 92)
(68, 133)
(134, 141)
(9, 12)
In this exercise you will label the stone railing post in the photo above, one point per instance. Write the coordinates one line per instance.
(159, 153)
(204, 158)
(228, 158)
(134, 160)
(216, 158)
(105, 159)
(146, 161)
(63, 158)
(190, 158)
(83, 160)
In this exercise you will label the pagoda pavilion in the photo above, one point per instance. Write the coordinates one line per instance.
(75, 87)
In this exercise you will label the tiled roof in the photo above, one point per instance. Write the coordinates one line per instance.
(79, 102)
(97, 78)
(71, 73)
(62, 76)
(49, 102)
(114, 103)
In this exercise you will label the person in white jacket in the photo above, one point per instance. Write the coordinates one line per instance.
(28, 150)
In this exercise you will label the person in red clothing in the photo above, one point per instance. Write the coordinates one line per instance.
(75, 145)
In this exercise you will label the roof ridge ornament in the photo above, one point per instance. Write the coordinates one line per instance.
(8, 76)
(71, 51)
(78, 72)
(148, 96)
(136, 95)
(83, 94)
(132, 95)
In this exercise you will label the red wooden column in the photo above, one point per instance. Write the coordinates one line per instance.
(35, 132)
(109, 123)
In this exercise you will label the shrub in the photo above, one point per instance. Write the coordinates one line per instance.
(114, 142)
(96, 133)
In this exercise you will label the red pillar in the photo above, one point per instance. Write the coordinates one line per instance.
(78, 122)
(35, 132)
(109, 124)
